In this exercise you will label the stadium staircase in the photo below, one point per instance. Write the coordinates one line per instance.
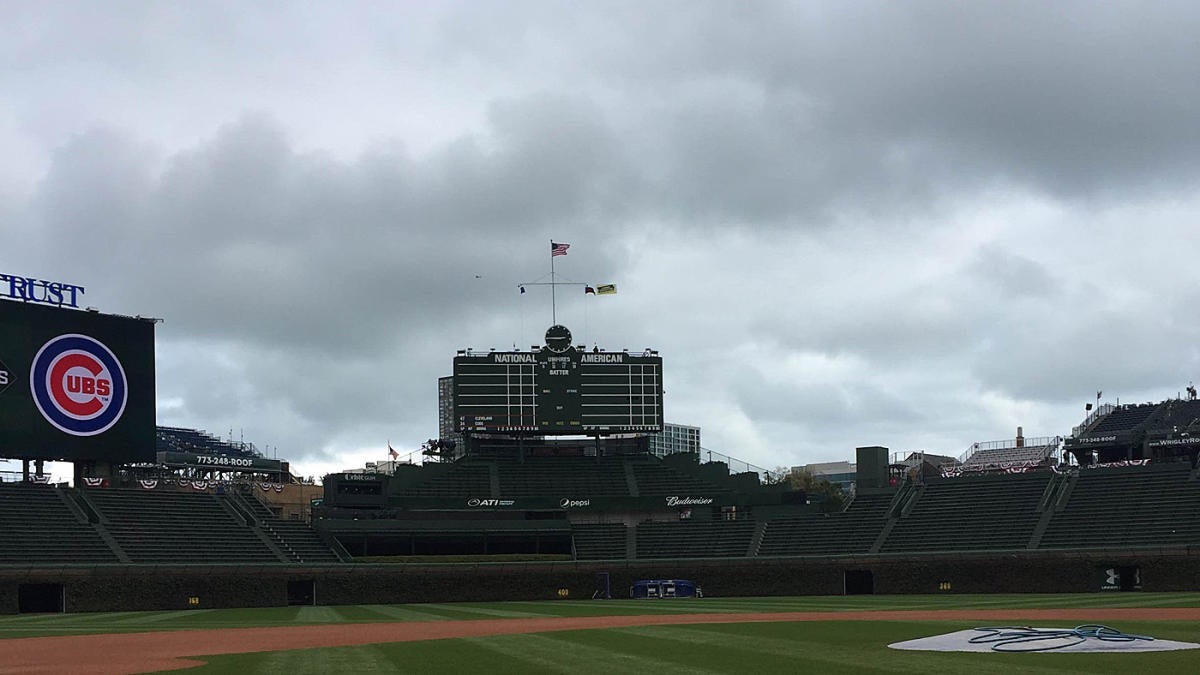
(998, 512)
(1128, 507)
(159, 526)
(1056, 492)
(296, 541)
(852, 530)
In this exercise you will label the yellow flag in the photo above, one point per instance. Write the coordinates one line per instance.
(606, 289)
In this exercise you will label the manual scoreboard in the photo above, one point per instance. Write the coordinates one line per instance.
(558, 390)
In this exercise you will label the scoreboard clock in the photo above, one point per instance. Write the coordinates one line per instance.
(558, 390)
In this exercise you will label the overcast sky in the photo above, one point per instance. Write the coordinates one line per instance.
(916, 225)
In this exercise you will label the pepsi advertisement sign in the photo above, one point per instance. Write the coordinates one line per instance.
(75, 385)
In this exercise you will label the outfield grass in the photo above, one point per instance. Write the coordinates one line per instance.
(35, 625)
(822, 647)
(827, 648)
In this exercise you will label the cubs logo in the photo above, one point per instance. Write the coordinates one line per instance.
(78, 385)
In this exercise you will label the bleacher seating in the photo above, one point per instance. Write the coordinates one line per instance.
(295, 538)
(177, 439)
(38, 527)
(564, 477)
(464, 478)
(1124, 418)
(1178, 416)
(1153, 505)
(655, 479)
(997, 458)
(852, 531)
(971, 514)
(599, 541)
(695, 539)
(158, 526)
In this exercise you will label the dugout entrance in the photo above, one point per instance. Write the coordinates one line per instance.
(41, 598)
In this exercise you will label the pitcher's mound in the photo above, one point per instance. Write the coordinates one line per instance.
(1014, 639)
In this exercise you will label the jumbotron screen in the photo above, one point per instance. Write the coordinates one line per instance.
(75, 385)
(558, 390)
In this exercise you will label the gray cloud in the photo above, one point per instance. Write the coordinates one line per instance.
(917, 225)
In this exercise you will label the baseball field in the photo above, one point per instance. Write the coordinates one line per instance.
(711, 635)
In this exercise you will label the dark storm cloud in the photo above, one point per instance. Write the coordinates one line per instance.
(789, 110)
(313, 251)
(310, 275)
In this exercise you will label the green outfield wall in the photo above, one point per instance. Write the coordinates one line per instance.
(123, 588)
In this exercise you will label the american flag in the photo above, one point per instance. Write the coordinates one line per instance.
(558, 249)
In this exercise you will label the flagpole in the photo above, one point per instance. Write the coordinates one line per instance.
(553, 306)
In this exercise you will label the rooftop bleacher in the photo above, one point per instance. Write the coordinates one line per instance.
(987, 458)
(178, 439)
(1124, 418)
(1178, 416)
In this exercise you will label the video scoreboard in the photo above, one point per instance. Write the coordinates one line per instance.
(75, 385)
(558, 390)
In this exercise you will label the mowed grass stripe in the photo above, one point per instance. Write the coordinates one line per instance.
(149, 618)
(320, 614)
(59, 624)
(489, 612)
(401, 613)
(834, 647)
(364, 659)
(773, 654)
(830, 648)
(554, 653)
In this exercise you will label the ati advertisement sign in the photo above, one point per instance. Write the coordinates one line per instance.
(477, 503)
(75, 385)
